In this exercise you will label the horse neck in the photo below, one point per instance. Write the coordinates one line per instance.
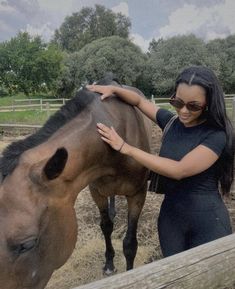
(87, 153)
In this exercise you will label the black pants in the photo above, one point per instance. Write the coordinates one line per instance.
(186, 221)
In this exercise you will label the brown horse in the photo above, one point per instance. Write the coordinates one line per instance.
(42, 176)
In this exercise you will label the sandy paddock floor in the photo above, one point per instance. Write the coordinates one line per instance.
(85, 264)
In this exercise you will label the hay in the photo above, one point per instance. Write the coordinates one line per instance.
(86, 263)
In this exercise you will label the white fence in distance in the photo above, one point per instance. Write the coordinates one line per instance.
(55, 103)
(34, 104)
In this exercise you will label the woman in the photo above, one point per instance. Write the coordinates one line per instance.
(196, 158)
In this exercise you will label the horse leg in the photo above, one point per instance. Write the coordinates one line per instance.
(130, 243)
(112, 211)
(106, 226)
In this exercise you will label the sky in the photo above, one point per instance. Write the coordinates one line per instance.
(207, 19)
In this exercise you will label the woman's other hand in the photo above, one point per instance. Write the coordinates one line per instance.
(104, 90)
(110, 136)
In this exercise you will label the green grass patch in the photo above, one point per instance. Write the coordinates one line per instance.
(8, 100)
(25, 117)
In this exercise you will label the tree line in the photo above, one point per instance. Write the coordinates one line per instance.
(94, 41)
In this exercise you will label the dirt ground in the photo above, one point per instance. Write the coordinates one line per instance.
(86, 262)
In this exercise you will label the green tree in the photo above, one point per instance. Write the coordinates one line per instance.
(167, 58)
(230, 51)
(110, 54)
(29, 65)
(90, 24)
(224, 51)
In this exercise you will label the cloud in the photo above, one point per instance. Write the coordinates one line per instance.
(140, 41)
(5, 28)
(208, 19)
(136, 38)
(65, 6)
(46, 30)
(27, 8)
(122, 7)
(41, 17)
(11, 20)
(28, 15)
(207, 22)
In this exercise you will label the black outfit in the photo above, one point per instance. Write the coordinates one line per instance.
(193, 211)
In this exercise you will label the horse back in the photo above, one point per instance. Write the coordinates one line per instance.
(136, 129)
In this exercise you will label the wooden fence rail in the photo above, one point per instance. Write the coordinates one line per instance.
(56, 103)
(32, 104)
(209, 266)
(165, 99)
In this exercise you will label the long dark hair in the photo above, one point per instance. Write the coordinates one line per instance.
(215, 116)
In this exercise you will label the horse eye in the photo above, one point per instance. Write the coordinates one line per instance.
(24, 247)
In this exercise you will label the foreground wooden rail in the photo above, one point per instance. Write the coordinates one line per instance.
(208, 266)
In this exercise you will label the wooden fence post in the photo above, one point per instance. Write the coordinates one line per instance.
(13, 104)
(48, 109)
(233, 115)
(152, 99)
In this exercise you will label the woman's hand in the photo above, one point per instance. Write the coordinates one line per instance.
(110, 136)
(104, 90)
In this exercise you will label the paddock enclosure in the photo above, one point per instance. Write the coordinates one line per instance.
(84, 266)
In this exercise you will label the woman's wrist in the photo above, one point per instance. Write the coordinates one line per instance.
(113, 89)
(125, 149)
(121, 146)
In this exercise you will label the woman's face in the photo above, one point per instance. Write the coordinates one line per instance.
(190, 94)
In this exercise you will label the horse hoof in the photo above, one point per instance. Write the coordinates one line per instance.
(108, 272)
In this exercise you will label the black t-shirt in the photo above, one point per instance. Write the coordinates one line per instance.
(180, 140)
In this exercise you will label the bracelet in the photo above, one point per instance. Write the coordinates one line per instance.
(121, 146)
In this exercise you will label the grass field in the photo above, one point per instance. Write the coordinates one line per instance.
(34, 116)
(7, 100)
(25, 117)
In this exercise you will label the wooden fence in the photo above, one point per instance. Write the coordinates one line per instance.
(56, 103)
(210, 266)
(34, 104)
(164, 101)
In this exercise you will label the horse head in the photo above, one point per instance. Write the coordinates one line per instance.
(36, 219)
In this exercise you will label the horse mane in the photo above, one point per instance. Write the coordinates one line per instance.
(10, 156)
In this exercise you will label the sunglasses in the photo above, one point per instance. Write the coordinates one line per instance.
(192, 106)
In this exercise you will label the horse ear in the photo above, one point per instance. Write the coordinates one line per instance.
(56, 164)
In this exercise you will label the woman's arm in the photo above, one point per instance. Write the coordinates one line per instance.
(195, 162)
(129, 96)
